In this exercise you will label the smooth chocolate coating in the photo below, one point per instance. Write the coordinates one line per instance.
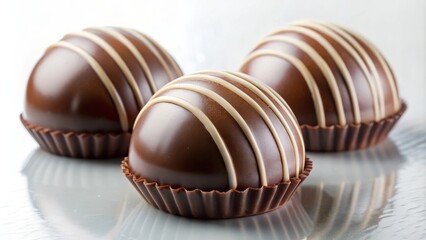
(327, 74)
(184, 133)
(96, 80)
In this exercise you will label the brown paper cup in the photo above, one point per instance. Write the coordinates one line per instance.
(80, 145)
(337, 138)
(215, 204)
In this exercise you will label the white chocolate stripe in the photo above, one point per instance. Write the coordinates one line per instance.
(321, 63)
(284, 106)
(309, 79)
(169, 58)
(237, 117)
(119, 61)
(340, 64)
(232, 177)
(370, 64)
(254, 104)
(260, 90)
(154, 51)
(257, 89)
(386, 68)
(104, 79)
(376, 90)
(132, 48)
(271, 92)
(312, 53)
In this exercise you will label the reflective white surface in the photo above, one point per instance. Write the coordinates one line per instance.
(379, 193)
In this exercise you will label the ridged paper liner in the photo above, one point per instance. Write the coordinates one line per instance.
(215, 204)
(337, 138)
(80, 145)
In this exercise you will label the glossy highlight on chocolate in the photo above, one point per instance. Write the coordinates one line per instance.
(94, 82)
(331, 78)
(216, 133)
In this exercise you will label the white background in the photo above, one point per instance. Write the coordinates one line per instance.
(214, 34)
(211, 34)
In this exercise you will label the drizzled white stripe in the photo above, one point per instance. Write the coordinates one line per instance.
(169, 58)
(287, 110)
(119, 61)
(232, 177)
(386, 68)
(325, 69)
(235, 114)
(373, 83)
(260, 90)
(104, 79)
(254, 104)
(370, 64)
(154, 51)
(340, 64)
(132, 48)
(265, 93)
(307, 76)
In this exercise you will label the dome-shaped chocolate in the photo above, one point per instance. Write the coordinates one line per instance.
(95, 82)
(216, 131)
(328, 75)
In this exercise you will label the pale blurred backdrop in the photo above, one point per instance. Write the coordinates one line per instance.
(214, 34)
(208, 34)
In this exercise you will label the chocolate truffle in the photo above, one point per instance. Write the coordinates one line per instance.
(85, 92)
(339, 86)
(223, 141)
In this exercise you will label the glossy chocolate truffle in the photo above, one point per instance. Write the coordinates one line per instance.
(95, 82)
(328, 75)
(216, 131)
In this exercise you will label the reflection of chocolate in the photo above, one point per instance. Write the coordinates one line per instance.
(217, 133)
(343, 209)
(404, 215)
(354, 196)
(288, 222)
(355, 165)
(329, 76)
(77, 198)
(94, 82)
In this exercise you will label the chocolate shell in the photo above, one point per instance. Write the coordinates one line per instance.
(334, 80)
(91, 85)
(218, 140)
